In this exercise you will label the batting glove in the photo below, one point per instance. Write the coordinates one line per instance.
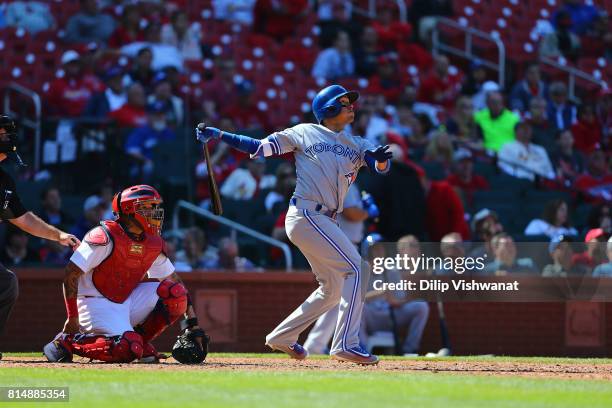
(205, 134)
(369, 205)
(381, 154)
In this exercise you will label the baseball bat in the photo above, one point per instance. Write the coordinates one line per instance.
(215, 195)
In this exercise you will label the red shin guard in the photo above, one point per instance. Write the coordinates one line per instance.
(172, 304)
(118, 349)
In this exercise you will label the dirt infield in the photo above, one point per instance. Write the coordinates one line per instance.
(543, 370)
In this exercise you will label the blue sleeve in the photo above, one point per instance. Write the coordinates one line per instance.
(243, 143)
(372, 165)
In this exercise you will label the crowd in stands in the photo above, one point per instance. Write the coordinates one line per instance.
(155, 68)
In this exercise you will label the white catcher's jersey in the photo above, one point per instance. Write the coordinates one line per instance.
(326, 162)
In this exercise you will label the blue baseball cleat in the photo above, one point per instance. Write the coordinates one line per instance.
(295, 351)
(356, 355)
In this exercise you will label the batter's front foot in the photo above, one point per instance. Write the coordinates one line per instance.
(58, 350)
(356, 355)
(295, 351)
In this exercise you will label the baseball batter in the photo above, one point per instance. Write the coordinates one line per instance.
(120, 290)
(327, 162)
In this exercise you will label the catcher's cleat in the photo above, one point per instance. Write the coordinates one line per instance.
(295, 351)
(58, 350)
(356, 355)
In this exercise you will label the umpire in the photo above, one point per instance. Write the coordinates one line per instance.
(12, 210)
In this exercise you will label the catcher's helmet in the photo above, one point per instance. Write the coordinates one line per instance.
(327, 105)
(8, 140)
(143, 205)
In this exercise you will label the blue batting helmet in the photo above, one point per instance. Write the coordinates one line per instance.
(326, 104)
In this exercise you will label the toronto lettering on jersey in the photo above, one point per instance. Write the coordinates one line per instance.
(337, 149)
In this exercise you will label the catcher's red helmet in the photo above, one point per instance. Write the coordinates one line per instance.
(143, 204)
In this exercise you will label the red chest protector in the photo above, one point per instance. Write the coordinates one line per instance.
(126, 266)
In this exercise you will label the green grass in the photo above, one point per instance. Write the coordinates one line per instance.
(91, 387)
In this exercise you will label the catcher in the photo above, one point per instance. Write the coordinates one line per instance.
(121, 291)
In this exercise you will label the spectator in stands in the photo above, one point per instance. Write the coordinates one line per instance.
(230, 259)
(475, 78)
(89, 25)
(419, 138)
(496, 123)
(16, 251)
(244, 184)
(279, 18)
(394, 203)
(462, 127)
(485, 225)
(284, 171)
(522, 159)
(479, 99)
(423, 15)
(544, 132)
(334, 16)
(452, 247)
(51, 213)
(580, 15)
(568, 163)
(554, 222)
(391, 32)
(604, 114)
(463, 178)
(561, 252)
(68, 95)
(440, 149)
(335, 62)
(596, 183)
(560, 112)
(442, 85)
(245, 113)
(195, 252)
(562, 42)
(597, 40)
(445, 212)
(221, 92)
(141, 141)
(408, 314)
(505, 258)
(387, 81)
(132, 114)
(93, 209)
(366, 53)
(111, 99)
(129, 30)
(531, 87)
(587, 130)
(142, 71)
(595, 253)
(240, 11)
(186, 37)
(33, 16)
(162, 94)
(605, 269)
(164, 55)
(599, 217)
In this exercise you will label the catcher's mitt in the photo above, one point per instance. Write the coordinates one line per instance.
(187, 349)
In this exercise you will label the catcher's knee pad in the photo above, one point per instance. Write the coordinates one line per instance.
(171, 305)
(117, 349)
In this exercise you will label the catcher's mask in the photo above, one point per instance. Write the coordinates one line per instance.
(8, 138)
(141, 204)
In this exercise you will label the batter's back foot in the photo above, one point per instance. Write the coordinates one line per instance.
(356, 355)
(295, 351)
